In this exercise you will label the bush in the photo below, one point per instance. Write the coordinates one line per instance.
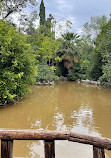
(105, 79)
(76, 72)
(45, 73)
(104, 82)
(95, 70)
(17, 68)
(58, 70)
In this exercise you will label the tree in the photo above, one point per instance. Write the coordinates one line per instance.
(27, 22)
(12, 6)
(17, 64)
(103, 46)
(42, 14)
(15, 12)
(69, 45)
(45, 45)
(48, 50)
(91, 58)
(68, 52)
(93, 27)
(86, 51)
(49, 22)
(95, 67)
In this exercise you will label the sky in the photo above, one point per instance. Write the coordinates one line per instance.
(78, 11)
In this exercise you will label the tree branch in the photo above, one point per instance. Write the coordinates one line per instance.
(11, 10)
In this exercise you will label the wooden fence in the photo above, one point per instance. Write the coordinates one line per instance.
(8, 136)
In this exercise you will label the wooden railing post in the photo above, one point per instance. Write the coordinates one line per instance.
(98, 152)
(49, 146)
(6, 148)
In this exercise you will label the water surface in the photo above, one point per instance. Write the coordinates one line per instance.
(65, 106)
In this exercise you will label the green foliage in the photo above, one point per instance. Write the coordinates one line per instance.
(45, 46)
(86, 51)
(69, 46)
(45, 73)
(68, 49)
(58, 71)
(76, 72)
(107, 72)
(98, 60)
(103, 43)
(48, 49)
(20, 52)
(95, 70)
(17, 68)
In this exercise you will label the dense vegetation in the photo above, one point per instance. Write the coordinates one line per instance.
(34, 54)
(17, 63)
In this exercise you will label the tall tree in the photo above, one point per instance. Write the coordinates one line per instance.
(103, 46)
(42, 13)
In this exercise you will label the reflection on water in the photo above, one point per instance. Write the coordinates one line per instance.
(36, 149)
(65, 106)
(84, 121)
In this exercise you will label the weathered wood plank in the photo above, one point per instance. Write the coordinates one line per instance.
(34, 135)
(91, 140)
(49, 147)
(6, 148)
(98, 152)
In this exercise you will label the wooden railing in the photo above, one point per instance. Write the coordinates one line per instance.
(8, 136)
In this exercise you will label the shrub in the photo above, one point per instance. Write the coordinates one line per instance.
(45, 73)
(76, 72)
(95, 70)
(17, 68)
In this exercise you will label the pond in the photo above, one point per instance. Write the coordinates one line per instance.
(66, 105)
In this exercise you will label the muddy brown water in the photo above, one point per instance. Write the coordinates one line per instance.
(65, 106)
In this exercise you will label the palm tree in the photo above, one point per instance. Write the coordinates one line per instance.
(69, 51)
(69, 47)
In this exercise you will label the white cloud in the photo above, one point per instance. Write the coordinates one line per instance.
(63, 4)
(64, 25)
(14, 17)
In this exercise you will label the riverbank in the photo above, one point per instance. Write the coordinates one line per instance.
(90, 82)
(62, 78)
(45, 83)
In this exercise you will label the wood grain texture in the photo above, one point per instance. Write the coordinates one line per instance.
(6, 148)
(49, 147)
(91, 140)
(98, 152)
(33, 135)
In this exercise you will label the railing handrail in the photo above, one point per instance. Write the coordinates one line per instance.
(16, 134)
